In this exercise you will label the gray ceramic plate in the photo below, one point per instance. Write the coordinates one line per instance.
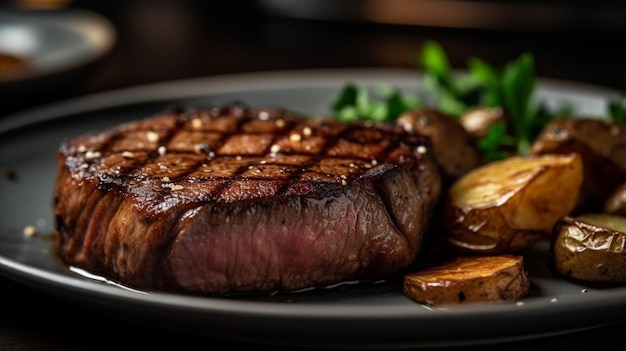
(358, 315)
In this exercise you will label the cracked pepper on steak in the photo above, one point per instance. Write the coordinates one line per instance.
(231, 199)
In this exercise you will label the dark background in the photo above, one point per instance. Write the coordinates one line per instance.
(162, 40)
(166, 40)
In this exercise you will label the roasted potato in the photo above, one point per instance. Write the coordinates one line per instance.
(469, 280)
(590, 247)
(506, 206)
(478, 120)
(453, 146)
(602, 146)
(616, 202)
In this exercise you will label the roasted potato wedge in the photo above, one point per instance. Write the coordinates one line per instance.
(590, 247)
(616, 203)
(469, 280)
(453, 146)
(602, 146)
(478, 120)
(508, 205)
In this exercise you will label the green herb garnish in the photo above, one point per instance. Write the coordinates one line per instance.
(511, 88)
(454, 94)
(353, 102)
(617, 110)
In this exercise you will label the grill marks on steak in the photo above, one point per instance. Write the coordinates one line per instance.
(225, 153)
(230, 199)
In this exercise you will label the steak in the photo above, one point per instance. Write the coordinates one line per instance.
(229, 199)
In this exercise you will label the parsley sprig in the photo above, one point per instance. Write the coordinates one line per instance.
(511, 87)
(354, 102)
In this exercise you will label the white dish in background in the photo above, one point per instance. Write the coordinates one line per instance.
(56, 46)
(51, 41)
(376, 315)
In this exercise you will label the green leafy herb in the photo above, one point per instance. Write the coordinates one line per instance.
(484, 85)
(491, 144)
(518, 84)
(617, 110)
(353, 102)
(454, 94)
(511, 88)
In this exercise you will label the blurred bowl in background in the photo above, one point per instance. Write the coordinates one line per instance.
(46, 55)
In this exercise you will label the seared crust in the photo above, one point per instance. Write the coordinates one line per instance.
(216, 155)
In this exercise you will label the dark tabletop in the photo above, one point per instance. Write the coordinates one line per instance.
(167, 40)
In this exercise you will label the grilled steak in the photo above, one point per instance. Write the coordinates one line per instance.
(229, 199)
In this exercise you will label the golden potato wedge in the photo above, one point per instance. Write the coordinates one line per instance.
(508, 205)
(469, 280)
(602, 146)
(453, 146)
(590, 247)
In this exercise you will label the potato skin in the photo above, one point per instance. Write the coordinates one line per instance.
(602, 146)
(454, 148)
(590, 247)
(478, 120)
(469, 280)
(615, 204)
(507, 206)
